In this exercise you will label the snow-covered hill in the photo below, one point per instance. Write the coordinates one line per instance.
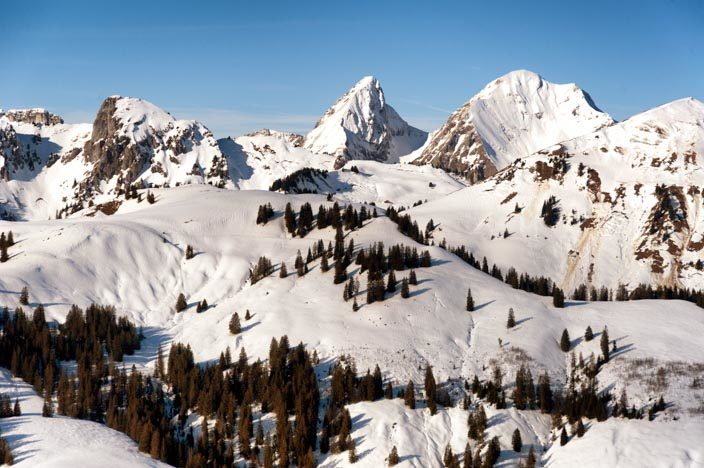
(513, 116)
(39, 442)
(629, 201)
(361, 125)
(135, 259)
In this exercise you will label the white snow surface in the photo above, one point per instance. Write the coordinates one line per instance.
(135, 260)
(40, 442)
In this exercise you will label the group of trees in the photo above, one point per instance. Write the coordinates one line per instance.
(7, 409)
(265, 213)
(6, 241)
(6, 457)
(299, 181)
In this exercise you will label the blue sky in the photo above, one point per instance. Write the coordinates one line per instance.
(238, 66)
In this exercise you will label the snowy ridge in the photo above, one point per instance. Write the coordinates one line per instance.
(513, 116)
(629, 200)
(361, 125)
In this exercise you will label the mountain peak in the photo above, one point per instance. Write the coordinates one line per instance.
(361, 125)
(511, 117)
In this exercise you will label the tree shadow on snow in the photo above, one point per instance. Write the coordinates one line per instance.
(418, 292)
(481, 306)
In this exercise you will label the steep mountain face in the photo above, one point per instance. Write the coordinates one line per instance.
(512, 117)
(625, 202)
(362, 126)
(135, 141)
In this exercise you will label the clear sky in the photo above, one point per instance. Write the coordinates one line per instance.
(238, 66)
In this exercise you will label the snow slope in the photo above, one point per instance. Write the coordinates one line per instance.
(361, 125)
(629, 198)
(134, 259)
(513, 116)
(49, 442)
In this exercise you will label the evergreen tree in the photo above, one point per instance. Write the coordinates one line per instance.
(412, 278)
(391, 284)
(282, 271)
(235, 326)
(563, 437)
(3, 253)
(181, 303)
(565, 341)
(604, 343)
(531, 460)
(405, 293)
(580, 428)
(511, 322)
(467, 463)
(159, 367)
(16, 410)
(24, 296)
(588, 334)
(352, 455)
(48, 407)
(189, 252)
(516, 441)
(558, 297)
(410, 395)
(470, 300)
(393, 456)
(355, 305)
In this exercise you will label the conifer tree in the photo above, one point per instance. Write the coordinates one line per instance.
(48, 407)
(516, 442)
(558, 297)
(412, 278)
(355, 305)
(410, 395)
(580, 428)
(604, 343)
(247, 315)
(16, 410)
(282, 271)
(565, 341)
(10, 239)
(324, 266)
(467, 462)
(405, 293)
(352, 455)
(511, 321)
(588, 334)
(563, 437)
(159, 367)
(189, 252)
(235, 326)
(391, 284)
(24, 296)
(3, 253)
(531, 460)
(470, 300)
(393, 456)
(181, 303)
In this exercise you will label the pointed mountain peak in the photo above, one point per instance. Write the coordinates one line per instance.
(361, 125)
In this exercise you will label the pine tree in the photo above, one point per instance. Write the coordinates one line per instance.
(558, 297)
(189, 252)
(430, 389)
(605, 344)
(355, 305)
(159, 367)
(565, 341)
(247, 315)
(352, 455)
(391, 284)
(48, 407)
(563, 437)
(511, 322)
(24, 296)
(16, 410)
(412, 280)
(470, 300)
(467, 463)
(393, 456)
(181, 303)
(235, 326)
(324, 266)
(410, 395)
(3, 253)
(580, 428)
(405, 293)
(588, 334)
(531, 460)
(282, 271)
(10, 239)
(516, 441)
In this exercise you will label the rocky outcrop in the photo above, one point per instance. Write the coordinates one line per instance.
(32, 116)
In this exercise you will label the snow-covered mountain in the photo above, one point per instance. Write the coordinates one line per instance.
(628, 201)
(513, 116)
(361, 125)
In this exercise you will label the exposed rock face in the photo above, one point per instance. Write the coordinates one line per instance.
(361, 125)
(512, 117)
(32, 116)
(134, 141)
(295, 139)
